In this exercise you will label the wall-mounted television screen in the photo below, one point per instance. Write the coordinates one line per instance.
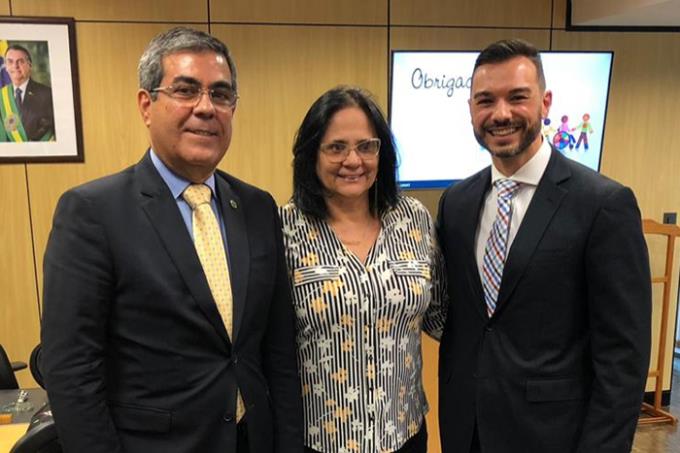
(430, 118)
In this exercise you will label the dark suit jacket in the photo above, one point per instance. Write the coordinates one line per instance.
(37, 111)
(561, 365)
(135, 355)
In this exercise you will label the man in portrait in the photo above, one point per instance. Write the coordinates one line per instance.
(26, 105)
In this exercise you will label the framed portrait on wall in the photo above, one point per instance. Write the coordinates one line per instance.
(39, 92)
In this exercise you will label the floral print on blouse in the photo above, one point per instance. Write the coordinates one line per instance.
(359, 327)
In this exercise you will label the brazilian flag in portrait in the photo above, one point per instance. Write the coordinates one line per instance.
(11, 130)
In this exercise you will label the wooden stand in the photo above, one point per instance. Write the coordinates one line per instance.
(652, 413)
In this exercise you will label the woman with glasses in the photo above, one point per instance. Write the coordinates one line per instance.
(366, 277)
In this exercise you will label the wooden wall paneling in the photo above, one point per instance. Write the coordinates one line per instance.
(282, 70)
(441, 38)
(119, 10)
(19, 319)
(114, 136)
(477, 13)
(4, 7)
(357, 12)
(640, 146)
(559, 14)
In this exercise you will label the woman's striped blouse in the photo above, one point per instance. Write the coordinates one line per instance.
(359, 327)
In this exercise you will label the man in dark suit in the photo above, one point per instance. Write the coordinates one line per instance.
(546, 344)
(28, 114)
(141, 352)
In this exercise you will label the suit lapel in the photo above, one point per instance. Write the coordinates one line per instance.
(238, 249)
(473, 200)
(161, 209)
(544, 204)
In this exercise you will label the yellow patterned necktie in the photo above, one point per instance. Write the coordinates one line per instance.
(211, 253)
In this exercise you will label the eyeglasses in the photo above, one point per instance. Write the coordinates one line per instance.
(222, 97)
(338, 151)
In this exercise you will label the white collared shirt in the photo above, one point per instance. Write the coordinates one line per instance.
(529, 176)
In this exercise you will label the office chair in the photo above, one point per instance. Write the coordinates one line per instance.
(8, 380)
(41, 436)
(16, 366)
(34, 362)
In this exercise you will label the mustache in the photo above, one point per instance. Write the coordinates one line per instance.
(503, 123)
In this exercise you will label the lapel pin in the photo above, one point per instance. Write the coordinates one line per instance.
(233, 204)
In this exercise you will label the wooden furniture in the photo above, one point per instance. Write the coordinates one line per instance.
(652, 413)
(9, 434)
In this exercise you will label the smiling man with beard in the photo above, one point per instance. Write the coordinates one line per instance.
(546, 344)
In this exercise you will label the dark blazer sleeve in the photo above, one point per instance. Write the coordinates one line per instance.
(280, 359)
(619, 300)
(78, 288)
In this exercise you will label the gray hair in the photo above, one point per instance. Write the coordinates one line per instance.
(178, 39)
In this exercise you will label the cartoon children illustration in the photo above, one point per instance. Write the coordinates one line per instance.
(585, 129)
(548, 129)
(563, 137)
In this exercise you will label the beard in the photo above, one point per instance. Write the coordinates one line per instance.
(531, 131)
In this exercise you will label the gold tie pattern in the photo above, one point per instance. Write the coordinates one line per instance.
(211, 253)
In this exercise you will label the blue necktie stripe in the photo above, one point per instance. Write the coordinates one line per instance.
(496, 245)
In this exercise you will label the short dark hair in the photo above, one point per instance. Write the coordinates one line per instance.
(19, 48)
(308, 191)
(507, 49)
(178, 39)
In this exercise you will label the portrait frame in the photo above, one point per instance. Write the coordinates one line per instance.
(41, 52)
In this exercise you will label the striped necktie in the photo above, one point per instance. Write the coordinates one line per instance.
(496, 246)
(211, 253)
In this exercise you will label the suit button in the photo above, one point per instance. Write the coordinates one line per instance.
(488, 329)
(234, 359)
(228, 418)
